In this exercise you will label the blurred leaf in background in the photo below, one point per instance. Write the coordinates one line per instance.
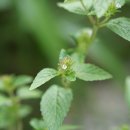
(5, 4)
(39, 19)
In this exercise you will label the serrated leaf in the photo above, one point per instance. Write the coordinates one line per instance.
(24, 93)
(43, 76)
(22, 80)
(120, 26)
(89, 72)
(81, 7)
(37, 124)
(63, 54)
(55, 105)
(101, 6)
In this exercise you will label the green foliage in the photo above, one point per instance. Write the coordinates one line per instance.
(65, 67)
(56, 101)
(22, 80)
(4, 101)
(120, 26)
(90, 7)
(38, 124)
(54, 106)
(70, 127)
(101, 7)
(7, 117)
(69, 68)
(24, 111)
(43, 76)
(77, 6)
(78, 58)
(6, 83)
(124, 127)
(12, 92)
(63, 54)
(89, 72)
(36, 16)
(4, 4)
(101, 53)
(83, 37)
(24, 93)
(11, 82)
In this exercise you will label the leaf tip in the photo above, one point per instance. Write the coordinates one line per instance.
(31, 88)
(59, 4)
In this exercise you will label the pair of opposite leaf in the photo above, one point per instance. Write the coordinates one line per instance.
(56, 101)
(101, 9)
(70, 69)
(18, 86)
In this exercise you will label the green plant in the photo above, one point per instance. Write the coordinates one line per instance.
(14, 90)
(57, 99)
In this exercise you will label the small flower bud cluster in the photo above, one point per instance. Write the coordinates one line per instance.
(113, 8)
(65, 64)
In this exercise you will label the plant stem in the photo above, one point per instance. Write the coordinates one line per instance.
(65, 82)
(92, 38)
(95, 30)
(91, 19)
(16, 106)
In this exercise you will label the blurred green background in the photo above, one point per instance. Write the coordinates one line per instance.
(32, 32)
